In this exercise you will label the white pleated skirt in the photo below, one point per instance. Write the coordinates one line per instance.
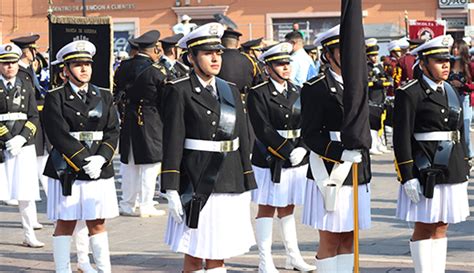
(21, 182)
(450, 205)
(89, 200)
(342, 219)
(290, 190)
(224, 229)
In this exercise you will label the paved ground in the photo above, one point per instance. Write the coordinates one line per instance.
(137, 244)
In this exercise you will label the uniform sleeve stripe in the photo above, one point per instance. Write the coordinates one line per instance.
(110, 146)
(170, 171)
(405, 162)
(76, 153)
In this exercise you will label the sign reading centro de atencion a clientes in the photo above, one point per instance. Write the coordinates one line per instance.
(98, 7)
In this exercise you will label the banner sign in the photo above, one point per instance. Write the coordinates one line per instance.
(97, 30)
(426, 30)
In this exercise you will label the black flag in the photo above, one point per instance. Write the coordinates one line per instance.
(355, 131)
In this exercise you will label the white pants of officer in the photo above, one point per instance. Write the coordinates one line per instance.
(138, 181)
(19, 181)
(41, 160)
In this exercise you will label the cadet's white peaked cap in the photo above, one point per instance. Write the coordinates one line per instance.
(205, 37)
(80, 50)
(403, 43)
(437, 47)
(10, 53)
(328, 38)
(277, 53)
(394, 45)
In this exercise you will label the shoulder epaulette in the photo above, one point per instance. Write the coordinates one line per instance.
(260, 84)
(178, 80)
(316, 79)
(55, 89)
(408, 84)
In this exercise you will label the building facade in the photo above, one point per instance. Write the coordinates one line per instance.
(271, 19)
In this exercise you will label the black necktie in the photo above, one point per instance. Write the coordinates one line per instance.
(9, 86)
(285, 93)
(440, 90)
(83, 95)
(212, 91)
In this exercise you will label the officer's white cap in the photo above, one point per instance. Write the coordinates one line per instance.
(403, 43)
(371, 42)
(437, 47)
(205, 37)
(394, 45)
(10, 53)
(80, 50)
(277, 53)
(328, 38)
(185, 17)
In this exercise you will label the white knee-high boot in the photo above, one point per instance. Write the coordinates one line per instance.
(264, 229)
(328, 265)
(421, 255)
(345, 263)
(290, 240)
(100, 251)
(81, 236)
(62, 253)
(28, 216)
(439, 250)
(375, 139)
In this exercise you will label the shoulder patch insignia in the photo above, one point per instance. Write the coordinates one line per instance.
(55, 89)
(316, 79)
(260, 84)
(178, 80)
(408, 84)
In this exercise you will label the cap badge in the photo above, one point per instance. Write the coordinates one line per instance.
(213, 30)
(8, 48)
(285, 48)
(445, 41)
(81, 46)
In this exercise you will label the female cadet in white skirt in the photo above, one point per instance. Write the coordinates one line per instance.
(82, 125)
(18, 122)
(196, 132)
(274, 108)
(427, 121)
(322, 116)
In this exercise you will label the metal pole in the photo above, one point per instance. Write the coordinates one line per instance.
(84, 8)
(355, 195)
(407, 33)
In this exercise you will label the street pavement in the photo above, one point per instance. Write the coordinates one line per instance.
(137, 245)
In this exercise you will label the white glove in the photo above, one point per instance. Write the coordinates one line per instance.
(94, 167)
(413, 190)
(14, 145)
(353, 156)
(297, 155)
(174, 206)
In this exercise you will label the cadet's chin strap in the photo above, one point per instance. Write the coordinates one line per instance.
(278, 75)
(72, 74)
(430, 75)
(196, 63)
(333, 58)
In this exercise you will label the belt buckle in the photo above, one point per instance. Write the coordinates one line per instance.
(455, 136)
(227, 146)
(86, 136)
